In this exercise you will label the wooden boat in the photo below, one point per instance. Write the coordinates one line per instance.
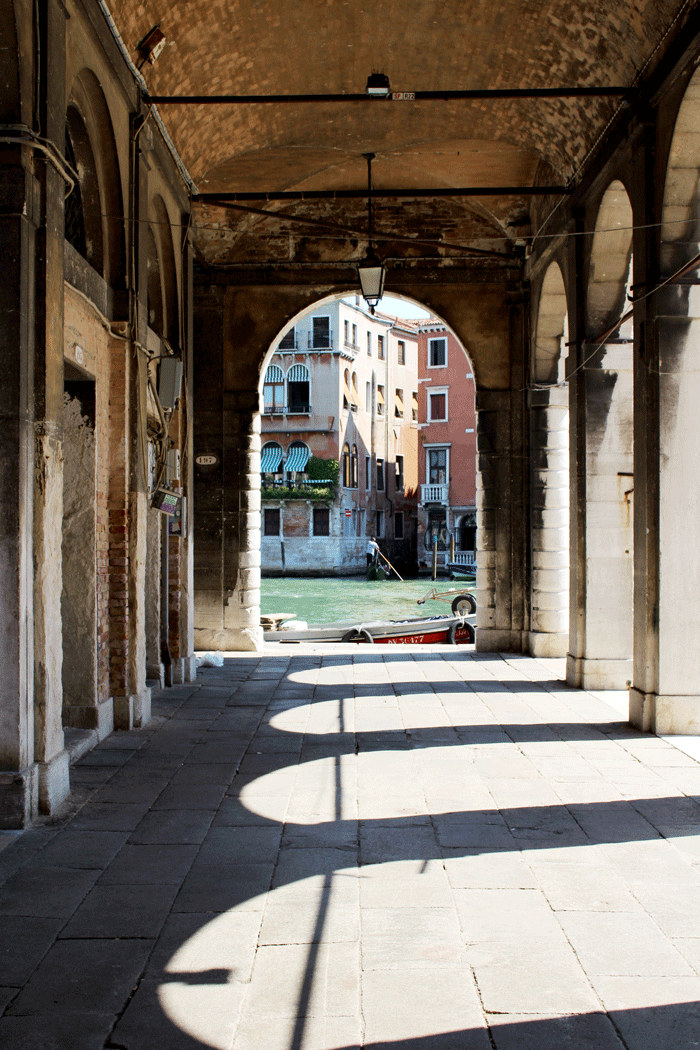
(452, 630)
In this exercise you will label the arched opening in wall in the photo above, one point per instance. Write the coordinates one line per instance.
(83, 208)
(166, 255)
(600, 654)
(88, 102)
(548, 402)
(154, 286)
(375, 435)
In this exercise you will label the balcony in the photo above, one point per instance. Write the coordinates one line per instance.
(319, 341)
(435, 494)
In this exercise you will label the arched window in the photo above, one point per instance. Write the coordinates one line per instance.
(83, 204)
(346, 466)
(298, 389)
(297, 457)
(273, 390)
(271, 458)
(353, 468)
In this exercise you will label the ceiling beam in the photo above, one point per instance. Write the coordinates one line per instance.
(397, 96)
(441, 191)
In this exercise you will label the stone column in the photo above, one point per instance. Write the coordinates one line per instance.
(600, 653)
(18, 773)
(549, 529)
(500, 557)
(665, 693)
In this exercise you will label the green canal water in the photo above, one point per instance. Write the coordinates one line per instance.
(350, 600)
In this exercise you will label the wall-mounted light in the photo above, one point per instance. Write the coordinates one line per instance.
(378, 85)
(371, 270)
(151, 46)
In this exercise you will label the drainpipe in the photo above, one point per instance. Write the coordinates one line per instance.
(165, 654)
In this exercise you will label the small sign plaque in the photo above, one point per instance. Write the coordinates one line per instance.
(79, 355)
(206, 461)
(348, 513)
(404, 96)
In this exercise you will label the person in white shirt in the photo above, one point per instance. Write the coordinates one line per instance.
(372, 551)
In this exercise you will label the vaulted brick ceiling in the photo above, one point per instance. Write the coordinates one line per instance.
(328, 46)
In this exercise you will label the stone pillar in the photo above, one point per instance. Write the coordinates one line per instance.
(500, 557)
(665, 693)
(600, 653)
(228, 614)
(18, 773)
(549, 529)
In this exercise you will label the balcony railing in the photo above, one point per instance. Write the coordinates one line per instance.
(320, 342)
(466, 558)
(300, 409)
(434, 493)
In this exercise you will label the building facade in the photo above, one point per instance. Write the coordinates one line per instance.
(447, 451)
(340, 389)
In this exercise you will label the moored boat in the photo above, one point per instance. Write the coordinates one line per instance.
(452, 630)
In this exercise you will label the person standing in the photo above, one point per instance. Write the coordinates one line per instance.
(372, 551)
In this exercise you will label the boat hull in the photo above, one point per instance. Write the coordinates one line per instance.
(453, 630)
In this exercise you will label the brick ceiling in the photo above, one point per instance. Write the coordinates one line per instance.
(328, 46)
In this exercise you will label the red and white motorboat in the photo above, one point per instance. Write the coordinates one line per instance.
(426, 630)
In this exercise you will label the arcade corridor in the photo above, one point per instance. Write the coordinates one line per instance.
(430, 849)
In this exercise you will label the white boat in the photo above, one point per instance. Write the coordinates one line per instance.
(453, 630)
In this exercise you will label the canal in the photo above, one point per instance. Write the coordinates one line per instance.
(352, 599)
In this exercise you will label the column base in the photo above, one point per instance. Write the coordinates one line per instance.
(585, 673)
(134, 711)
(232, 640)
(100, 718)
(184, 669)
(54, 782)
(665, 715)
(19, 798)
(494, 640)
(548, 644)
(156, 674)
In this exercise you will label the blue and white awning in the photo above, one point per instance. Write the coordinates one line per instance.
(297, 458)
(270, 459)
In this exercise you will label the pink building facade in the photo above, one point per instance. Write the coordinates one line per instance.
(447, 448)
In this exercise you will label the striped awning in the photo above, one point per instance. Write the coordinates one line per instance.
(297, 458)
(270, 459)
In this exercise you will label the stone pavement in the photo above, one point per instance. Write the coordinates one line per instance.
(415, 848)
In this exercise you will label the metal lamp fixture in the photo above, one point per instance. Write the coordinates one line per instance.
(371, 270)
(378, 85)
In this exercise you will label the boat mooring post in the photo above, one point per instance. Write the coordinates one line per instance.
(435, 542)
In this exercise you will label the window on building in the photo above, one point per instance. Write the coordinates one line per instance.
(346, 332)
(437, 353)
(380, 475)
(288, 342)
(273, 390)
(354, 481)
(346, 466)
(414, 406)
(380, 347)
(321, 332)
(368, 397)
(368, 473)
(437, 405)
(369, 344)
(298, 455)
(271, 459)
(379, 528)
(398, 525)
(398, 404)
(354, 335)
(399, 473)
(401, 352)
(298, 389)
(271, 525)
(437, 466)
(380, 400)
